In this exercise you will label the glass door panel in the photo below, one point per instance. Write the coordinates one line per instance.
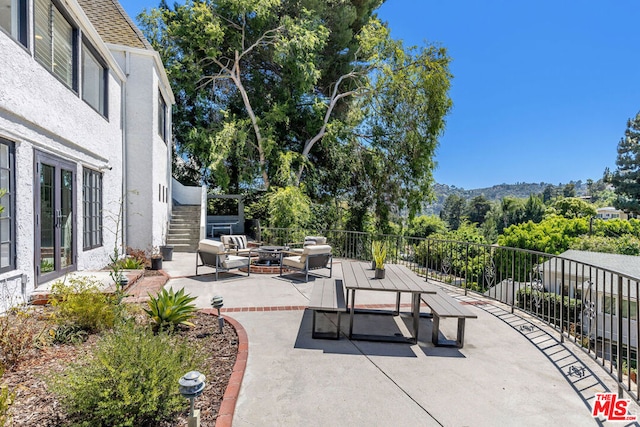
(66, 218)
(55, 221)
(47, 219)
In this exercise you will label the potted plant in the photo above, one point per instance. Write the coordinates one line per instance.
(379, 252)
(166, 250)
(156, 259)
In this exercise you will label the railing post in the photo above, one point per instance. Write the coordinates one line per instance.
(466, 272)
(561, 300)
(513, 279)
(619, 346)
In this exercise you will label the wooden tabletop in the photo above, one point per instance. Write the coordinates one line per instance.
(398, 278)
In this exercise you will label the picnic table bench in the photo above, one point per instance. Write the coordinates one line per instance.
(327, 296)
(443, 305)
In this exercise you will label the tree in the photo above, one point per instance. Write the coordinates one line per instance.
(572, 207)
(626, 178)
(569, 190)
(534, 209)
(266, 86)
(424, 226)
(552, 235)
(477, 209)
(452, 211)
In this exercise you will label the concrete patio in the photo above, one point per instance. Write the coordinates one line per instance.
(512, 370)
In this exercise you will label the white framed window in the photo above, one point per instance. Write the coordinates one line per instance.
(55, 42)
(92, 208)
(13, 19)
(7, 217)
(162, 117)
(94, 80)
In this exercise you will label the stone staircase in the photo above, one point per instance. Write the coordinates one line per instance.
(184, 228)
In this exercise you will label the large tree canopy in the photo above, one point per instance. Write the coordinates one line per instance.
(626, 178)
(306, 93)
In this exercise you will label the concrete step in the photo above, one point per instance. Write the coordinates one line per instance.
(185, 248)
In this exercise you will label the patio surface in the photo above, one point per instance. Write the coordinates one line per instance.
(512, 370)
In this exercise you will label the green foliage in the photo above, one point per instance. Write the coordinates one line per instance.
(424, 226)
(139, 255)
(379, 253)
(553, 235)
(130, 380)
(625, 245)
(80, 302)
(130, 263)
(547, 305)
(170, 308)
(626, 178)
(289, 207)
(312, 93)
(68, 334)
(571, 207)
(452, 211)
(477, 209)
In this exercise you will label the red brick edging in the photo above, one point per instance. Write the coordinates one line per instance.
(230, 398)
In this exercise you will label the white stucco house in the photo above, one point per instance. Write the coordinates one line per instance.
(85, 131)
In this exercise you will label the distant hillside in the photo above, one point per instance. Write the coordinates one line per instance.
(495, 193)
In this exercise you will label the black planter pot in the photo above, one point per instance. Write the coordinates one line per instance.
(156, 263)
(167, 252)
(379, 274)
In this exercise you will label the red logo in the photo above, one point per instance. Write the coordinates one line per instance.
(611, 407)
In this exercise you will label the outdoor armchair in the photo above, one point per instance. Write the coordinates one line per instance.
(308, 241)
(212, 253)
(312, 257)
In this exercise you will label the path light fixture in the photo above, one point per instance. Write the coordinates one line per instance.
(217, 303)
(191, 386)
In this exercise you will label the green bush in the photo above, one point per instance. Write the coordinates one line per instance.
(130, 263)
(81, 303)
(171, 309)
(131, 379)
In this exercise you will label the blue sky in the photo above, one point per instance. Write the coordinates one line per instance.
(542, 90)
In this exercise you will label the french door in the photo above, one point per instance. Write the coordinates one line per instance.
(55, 224)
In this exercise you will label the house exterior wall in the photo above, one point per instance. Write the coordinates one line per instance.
(148, 155)
(39, 114)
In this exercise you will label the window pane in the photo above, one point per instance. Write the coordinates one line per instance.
(5, 255)
(162, 117)
(93, 75)
(62, 48)
(4, 230)
(43, 32)
(4, 156)
(92, 209)
(13, 19)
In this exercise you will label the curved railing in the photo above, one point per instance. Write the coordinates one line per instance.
(577, 298)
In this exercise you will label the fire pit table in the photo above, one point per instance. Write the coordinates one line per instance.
(269, 255)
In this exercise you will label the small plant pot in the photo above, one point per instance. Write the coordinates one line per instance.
(167, 252)
(156, 263)
(373, 265)
(379, 274)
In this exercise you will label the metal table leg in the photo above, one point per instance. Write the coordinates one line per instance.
(353, 306)
(415, 306)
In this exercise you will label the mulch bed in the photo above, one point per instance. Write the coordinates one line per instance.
(35, 406)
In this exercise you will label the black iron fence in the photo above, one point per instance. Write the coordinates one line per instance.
(594, 307)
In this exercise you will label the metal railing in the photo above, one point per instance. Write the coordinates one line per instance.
(578, 299)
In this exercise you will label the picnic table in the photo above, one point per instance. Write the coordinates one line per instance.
(358, 276)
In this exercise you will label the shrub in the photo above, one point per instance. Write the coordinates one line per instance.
(130, 263)
(20, 333)
(171, 309)
(131, 380)
(6, 399)
(139, 255)
(81, 303)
